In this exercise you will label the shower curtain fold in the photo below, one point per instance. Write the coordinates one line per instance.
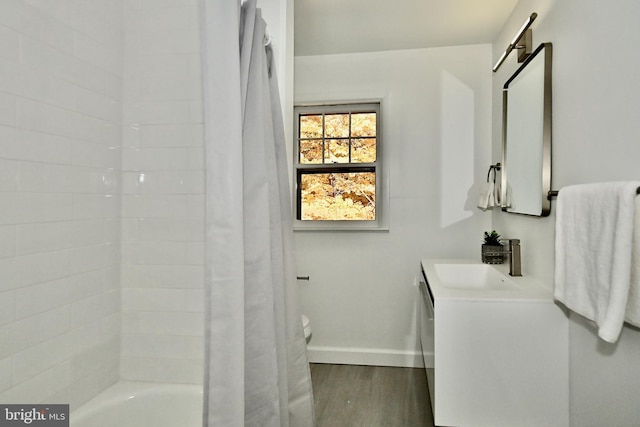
(256, 370)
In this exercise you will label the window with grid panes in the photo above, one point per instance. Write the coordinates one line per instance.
(337, 164)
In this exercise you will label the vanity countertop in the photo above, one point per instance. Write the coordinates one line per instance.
(464, 279)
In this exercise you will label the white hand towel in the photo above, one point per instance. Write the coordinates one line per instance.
(500, 202)
(594, 234)
(487, 196)
(490, 192)
(497, 192)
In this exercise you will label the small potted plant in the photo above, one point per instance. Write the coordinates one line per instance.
(492, 249)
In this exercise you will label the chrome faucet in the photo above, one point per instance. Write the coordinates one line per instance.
(515, 261)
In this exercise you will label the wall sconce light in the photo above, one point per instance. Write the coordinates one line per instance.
(521, 42)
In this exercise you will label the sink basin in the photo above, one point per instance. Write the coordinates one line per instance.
(452, 279)
(472, 276)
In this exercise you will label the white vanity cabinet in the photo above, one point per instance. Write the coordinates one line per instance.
(425, 310)
(499, 358)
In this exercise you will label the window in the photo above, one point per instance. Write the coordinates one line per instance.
(337, 166)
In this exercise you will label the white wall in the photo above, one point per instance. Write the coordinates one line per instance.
(60, 133)
(436, 113)
(596, 99)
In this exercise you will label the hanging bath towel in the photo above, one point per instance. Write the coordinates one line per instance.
(594, 235)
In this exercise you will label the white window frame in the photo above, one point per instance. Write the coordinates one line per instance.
(380, 223)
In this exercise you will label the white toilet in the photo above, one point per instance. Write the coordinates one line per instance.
(306, 325)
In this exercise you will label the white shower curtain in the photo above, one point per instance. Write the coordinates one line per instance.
(256, 370)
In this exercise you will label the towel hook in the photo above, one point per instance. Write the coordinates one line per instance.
(493, 168)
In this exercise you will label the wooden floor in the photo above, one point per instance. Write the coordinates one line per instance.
(370, 396)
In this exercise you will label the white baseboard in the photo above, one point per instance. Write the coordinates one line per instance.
(365, 356)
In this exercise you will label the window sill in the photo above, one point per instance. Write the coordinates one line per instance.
(338, 227)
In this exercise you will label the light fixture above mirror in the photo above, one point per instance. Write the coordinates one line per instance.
(521, 42)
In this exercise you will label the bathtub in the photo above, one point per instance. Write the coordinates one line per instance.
(137, 404)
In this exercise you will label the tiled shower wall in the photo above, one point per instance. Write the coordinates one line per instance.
(60, 157)
(65, 212)
(163, 187)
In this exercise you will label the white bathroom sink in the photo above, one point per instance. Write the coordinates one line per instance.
(472, 276)
(470, 279)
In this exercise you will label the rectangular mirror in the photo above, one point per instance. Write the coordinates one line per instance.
(526, 136)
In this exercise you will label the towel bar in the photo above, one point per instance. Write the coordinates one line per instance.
(554, 193)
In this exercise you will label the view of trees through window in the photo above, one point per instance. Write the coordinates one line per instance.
(337, 155)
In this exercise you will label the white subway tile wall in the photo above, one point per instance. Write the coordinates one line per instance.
(101, 196)
(61, 68)
(163, 193)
